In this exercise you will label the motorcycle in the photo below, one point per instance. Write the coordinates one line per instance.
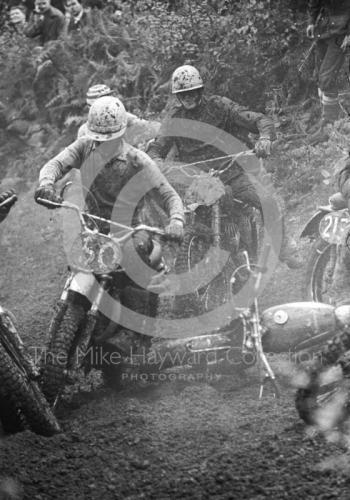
(324, 401)
(212, 222)
(326, 229)
(86, 321)
(22, 404)
(293, 328)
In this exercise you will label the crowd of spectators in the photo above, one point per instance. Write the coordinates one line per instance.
(47, 20)
(45, 23)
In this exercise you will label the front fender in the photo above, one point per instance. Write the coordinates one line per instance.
(311, 227)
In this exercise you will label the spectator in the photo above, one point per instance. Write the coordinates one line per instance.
(18, 17)
(30, 5)
(26, 6)
(329, 26)
(48, 22)
(77, 15)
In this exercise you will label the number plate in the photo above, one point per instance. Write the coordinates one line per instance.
(334, 225)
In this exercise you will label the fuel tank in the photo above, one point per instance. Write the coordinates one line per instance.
(297, 326)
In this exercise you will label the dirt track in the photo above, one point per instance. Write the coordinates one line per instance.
(173, 440)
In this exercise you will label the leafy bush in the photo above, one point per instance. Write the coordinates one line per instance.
(246, 50)
(241, 56)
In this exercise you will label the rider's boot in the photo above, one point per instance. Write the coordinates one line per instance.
(330, 113)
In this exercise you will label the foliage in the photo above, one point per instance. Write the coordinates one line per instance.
(299, 167)
(247, 50)
(238, 54)
(252, 48)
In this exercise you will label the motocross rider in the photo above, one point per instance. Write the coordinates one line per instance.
(329, 26)
(187, 86)
(108, 165)
(107, 122)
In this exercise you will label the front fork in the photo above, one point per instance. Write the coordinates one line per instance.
(216, 223)
(87, 332)
(60, 307)
(252, 335)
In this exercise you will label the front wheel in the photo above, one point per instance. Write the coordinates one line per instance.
(54, 366)
(324, 401)
(319, 272)
(24, 405)
(197, 258)
(192, 261)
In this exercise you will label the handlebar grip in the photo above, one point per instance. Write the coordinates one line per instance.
(8, 201)
(46, 202)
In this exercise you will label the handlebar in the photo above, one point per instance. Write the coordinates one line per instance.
(130, 230)
(8, 201)
(249, 152)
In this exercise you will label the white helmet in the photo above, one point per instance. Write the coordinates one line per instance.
(97, 91)
(107, 119)
(186, 78)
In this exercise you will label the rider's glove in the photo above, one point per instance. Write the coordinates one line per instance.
(175, 230)
(45, 194)
(7, 199)
(263, 147)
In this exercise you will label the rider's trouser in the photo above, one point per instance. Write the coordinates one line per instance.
(268, 202)
(330, 59)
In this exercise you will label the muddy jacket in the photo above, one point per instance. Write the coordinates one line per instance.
(219, 112)
(332, 17)
(50, 26)
(114, 185)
